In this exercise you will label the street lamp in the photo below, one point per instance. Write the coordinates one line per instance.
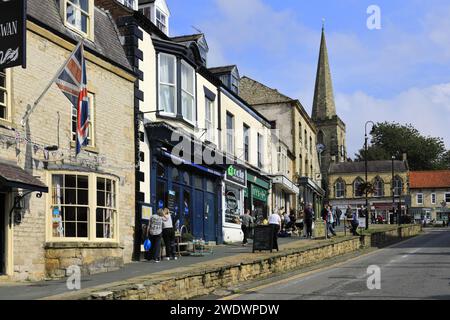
(367, 174)
(393, 192)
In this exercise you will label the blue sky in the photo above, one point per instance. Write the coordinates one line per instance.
(399, 73)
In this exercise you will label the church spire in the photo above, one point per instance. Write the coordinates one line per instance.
(323, 105)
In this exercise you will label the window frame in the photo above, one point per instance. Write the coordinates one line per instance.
(210, 132)
(92, 209)
(193, 95)
(246, 142)
(447, 197)
(338, 189)
(395, 186)
(158, 21)
(174, 86)
(355, 189)
(433, 198)
(7, 92)
(420, 203)
(231, 142)
(90, 18)
(375, 184)
(260, 151)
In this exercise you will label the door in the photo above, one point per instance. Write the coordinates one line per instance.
(2, 233)
(199, 212)
(210, 218)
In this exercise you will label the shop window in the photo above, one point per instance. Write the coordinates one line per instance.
(73, 201)
(187, 210)
(198, 183)
(187, 178)
(161, 188)
(106, 208)
(175, 175)
(161, 170)
(210, 186)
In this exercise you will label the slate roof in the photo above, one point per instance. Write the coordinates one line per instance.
(13, 176)
(223, 69)
(373, 167)
(430, 179)
(257, 93)
(186, 38)
(107, 44)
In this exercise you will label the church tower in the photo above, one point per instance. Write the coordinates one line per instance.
(331, 130)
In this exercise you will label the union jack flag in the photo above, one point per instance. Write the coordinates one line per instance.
(73, 83)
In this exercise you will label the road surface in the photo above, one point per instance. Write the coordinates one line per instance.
(416, 269)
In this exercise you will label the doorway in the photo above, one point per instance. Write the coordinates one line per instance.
(2, 234)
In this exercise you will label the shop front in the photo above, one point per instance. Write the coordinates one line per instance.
(310, 193)
(285, 194)
(257, 196)
(233, 199)
(191, 191)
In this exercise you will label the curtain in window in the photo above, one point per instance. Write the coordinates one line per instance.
(187, 94)
(167, 83)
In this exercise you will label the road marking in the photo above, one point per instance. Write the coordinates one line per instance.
(304, 275)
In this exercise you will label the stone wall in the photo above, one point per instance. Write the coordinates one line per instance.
(194, 284)
(385, 238)
(50, 125)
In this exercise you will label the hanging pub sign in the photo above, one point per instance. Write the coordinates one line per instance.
(12, 33)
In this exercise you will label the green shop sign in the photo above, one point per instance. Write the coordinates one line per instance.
(237, 174)
(258, 193)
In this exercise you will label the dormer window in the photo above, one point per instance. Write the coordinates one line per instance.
(161, 21)
(78, 15)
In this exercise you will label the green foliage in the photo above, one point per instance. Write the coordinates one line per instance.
(394, 139)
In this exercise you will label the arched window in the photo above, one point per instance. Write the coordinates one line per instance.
(378, 186)
(321, 138)
(357, 188)
(398, 186)
(339, 188)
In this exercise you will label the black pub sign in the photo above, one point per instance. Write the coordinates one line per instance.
(12, 33)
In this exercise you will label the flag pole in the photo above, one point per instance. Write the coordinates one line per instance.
(30, 108)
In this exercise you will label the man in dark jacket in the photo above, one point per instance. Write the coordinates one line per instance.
(309, 219)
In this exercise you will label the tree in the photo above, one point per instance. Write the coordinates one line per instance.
(394, 139)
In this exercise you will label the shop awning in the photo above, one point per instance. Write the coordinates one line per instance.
(14, 177)
(287, 185)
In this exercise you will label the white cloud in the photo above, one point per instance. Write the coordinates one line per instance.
(427, 109)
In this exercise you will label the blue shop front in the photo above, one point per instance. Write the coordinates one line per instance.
(190, 189)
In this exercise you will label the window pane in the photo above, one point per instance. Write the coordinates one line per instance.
(82, 215)
(167, 98)
(82, 230)
(70, 230)
(175, 175)
(101, 198)
(187, 79)
(83, 182)
(83, 197)
(70, 196)
(188, 106)
(70, 214)
(167, 69)
(70, 181)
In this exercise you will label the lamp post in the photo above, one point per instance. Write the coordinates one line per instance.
(393, 191)
(366, 147)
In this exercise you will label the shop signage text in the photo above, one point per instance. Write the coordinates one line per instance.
(237, 174)
(12, 33)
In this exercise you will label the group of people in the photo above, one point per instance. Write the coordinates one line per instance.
(160, 227)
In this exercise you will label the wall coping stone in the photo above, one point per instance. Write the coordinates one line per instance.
(82, 245)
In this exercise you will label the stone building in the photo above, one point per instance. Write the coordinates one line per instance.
(185, 110)
(85, 213)
(430, 195)
(345, 180)
(296, 172)
(331, 130)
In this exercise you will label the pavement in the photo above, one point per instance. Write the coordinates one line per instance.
(417, 269)
(221, 255)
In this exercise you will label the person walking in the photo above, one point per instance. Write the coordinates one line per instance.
(247, 221)
(275, 223)
(355, 223)
(338, 216)
(168, 234)
(308, 220)
(154, 234)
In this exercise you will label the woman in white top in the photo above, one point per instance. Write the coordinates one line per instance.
(275, 222)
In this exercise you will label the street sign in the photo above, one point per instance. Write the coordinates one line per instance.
(12, 33)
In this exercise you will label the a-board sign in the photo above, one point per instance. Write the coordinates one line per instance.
(263, 238)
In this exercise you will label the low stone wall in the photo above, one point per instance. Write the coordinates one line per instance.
(187, 286)
(91, 259)
(385, 238)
